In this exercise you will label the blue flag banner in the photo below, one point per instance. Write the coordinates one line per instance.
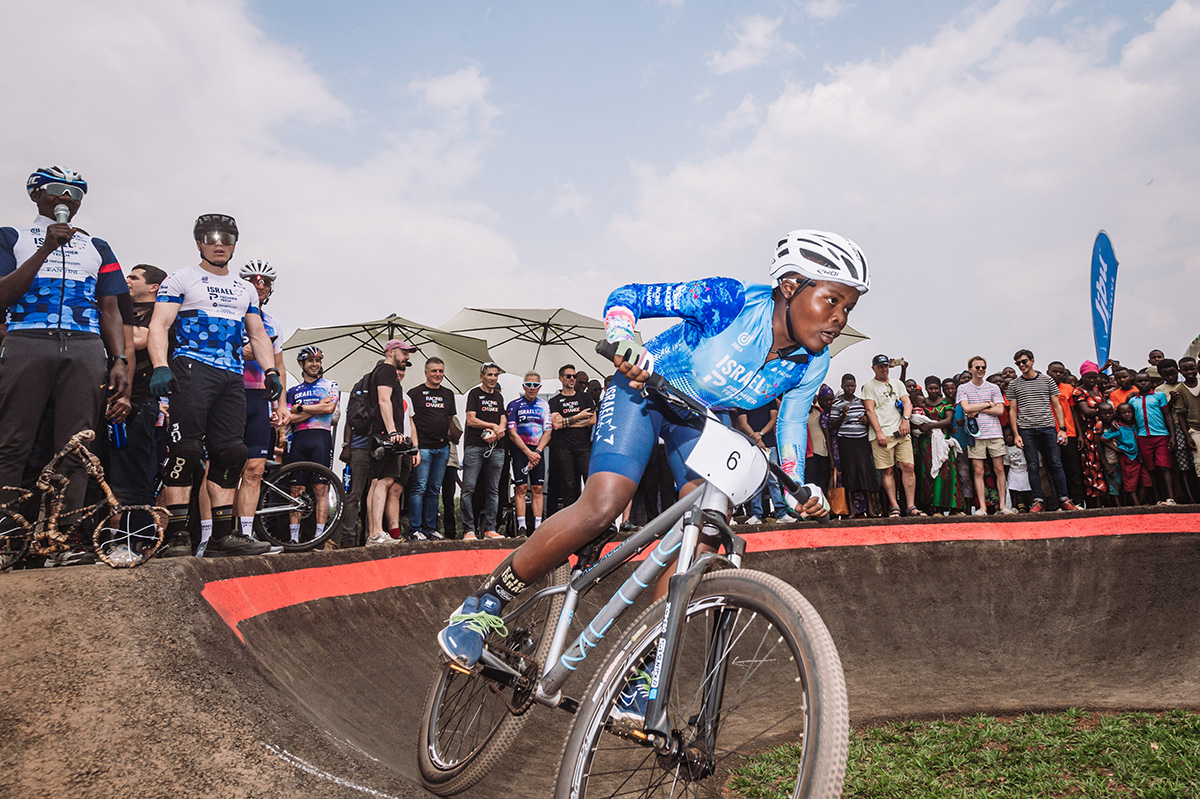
(1104, 292)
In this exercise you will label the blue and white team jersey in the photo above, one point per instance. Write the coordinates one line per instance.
(253, 376)
(314, 393)
(529, 419)
(64, 294)
(212, 310)
(718, 353)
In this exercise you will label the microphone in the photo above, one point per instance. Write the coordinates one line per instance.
(61, 213)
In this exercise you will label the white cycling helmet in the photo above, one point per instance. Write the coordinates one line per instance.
(819, 255)
(257, 268)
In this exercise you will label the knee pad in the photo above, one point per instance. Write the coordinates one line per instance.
(184, 459)
(226, 467)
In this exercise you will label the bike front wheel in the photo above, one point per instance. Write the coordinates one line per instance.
(756, 672)
(469, 721)
(299, 506)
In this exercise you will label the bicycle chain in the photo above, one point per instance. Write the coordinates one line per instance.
(513, 657)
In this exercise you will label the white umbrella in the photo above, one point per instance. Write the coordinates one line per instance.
(848, 338)
(352, 350)
(538, 339)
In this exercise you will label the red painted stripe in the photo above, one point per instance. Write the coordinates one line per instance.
(241, 598)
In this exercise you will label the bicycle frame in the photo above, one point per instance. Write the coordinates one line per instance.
(701, 511)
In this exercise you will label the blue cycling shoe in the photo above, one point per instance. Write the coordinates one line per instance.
(630, 709)
(475, 619)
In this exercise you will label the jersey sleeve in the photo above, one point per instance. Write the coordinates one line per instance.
(109, 280)
(511, 413)
(710, 305)
(791, 426)
(172, 288)
(8, 257)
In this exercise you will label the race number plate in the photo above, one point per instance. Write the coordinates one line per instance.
(729, 461)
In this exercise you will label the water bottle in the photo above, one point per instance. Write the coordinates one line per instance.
(346, 478)
(116, 435)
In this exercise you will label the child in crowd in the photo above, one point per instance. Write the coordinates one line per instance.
(1155, 426)
(1123, 438)
(1019, 490)
(1106, 419)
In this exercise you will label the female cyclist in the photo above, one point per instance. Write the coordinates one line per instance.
(738, 346)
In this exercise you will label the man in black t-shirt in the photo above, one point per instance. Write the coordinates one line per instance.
(387, 421)
(486, 425)
(433, 405)
(132, 468)
(572, 414)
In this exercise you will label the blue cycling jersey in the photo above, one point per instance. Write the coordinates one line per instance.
(64, 293)
(718, 353)
(212, 312)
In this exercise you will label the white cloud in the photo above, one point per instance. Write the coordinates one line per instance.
(746, 115)
(176, 109)
(823, 10)
(756, 38)
(570, 202)
(975, 171)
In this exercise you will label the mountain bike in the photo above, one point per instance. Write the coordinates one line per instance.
(739, 662)
(125, 535)
(303, 493)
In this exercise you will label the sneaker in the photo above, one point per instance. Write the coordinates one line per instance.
(70, 559)
(1007, 510)
(379, 538)
(493, 534)
(235, 545)
(781, 518)
(178, 547)
(979, 512)
(1066, 504)
(630, 709)
(629, 527)
(1036, 507)
(417, 535)
(435, 536)
(469, 535)
(275, 549)
(462, 638)
(1168, 502)
(753, 520)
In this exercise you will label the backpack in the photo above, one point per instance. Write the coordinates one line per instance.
(359, 408)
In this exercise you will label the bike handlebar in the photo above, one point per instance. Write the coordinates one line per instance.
(660, 385)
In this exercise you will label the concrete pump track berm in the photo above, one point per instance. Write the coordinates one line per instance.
(305, 675)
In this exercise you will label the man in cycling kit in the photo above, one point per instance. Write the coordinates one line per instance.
(310, 406)
(528, 435)
(60, 286)
(261, 414)
(205, 384)
(738, 346)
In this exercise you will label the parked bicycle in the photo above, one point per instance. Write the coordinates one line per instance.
(738, 661)
(124, 536)
(295, 500)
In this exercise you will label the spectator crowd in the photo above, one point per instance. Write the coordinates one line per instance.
(186, 372)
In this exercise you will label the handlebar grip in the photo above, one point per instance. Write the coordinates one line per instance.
(607, 348)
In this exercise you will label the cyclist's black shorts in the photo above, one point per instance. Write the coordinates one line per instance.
(536, 476)
(208, 404)
(314, 445)
(258, 422)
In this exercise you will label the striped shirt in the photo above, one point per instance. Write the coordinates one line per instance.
(1033, 397)
(970, 394)
(855, 423)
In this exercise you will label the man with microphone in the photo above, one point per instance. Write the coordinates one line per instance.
(65, 340)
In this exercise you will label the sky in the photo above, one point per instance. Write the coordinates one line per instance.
(418, 158)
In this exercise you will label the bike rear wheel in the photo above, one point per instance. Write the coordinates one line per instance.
(467, 725)
(781, 683)
(299, 493)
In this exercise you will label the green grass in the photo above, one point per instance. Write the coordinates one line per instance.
(1071, 754)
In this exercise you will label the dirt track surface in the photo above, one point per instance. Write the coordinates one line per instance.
(304, 676)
